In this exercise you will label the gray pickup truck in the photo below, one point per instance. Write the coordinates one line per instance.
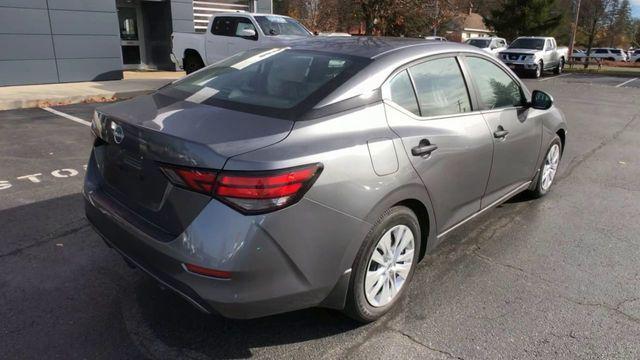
(533, 55)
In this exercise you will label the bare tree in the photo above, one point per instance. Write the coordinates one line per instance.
(592, 20)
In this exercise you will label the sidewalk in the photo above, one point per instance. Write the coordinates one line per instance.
(135, 83)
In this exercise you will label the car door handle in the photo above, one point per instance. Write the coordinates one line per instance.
(500, 133)
(424, 148)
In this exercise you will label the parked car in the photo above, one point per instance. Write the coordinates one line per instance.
(230, 33)
(578, 54)
(635, 56)
(493, 45)
(314, 175)
(436, 38)
(607, 54)
(534, 54)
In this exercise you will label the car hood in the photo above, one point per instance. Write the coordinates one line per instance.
(522, 51)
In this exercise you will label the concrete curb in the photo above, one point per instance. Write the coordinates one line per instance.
(70, 99)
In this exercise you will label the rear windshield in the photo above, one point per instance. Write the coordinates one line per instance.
(278, 25)
(276, 82)
(481, 43)
(534, 44)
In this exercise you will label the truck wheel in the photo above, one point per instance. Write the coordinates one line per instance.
(539, 69)
(192, 62)
(558, 70)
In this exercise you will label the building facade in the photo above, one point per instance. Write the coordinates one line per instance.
(51, 41)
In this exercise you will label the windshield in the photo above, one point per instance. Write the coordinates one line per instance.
(523, 43)
(481, 43)
(278, 25)
(268, 81)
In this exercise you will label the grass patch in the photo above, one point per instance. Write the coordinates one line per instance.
(633, 71)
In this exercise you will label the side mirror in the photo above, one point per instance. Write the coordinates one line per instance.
(247, 33)
(541, 100)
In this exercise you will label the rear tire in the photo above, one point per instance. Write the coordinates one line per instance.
(548, 169)
(192, 63)
(395, 240)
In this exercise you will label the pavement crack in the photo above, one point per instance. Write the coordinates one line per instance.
(615, 309)
(46, 239)
(420, 343)
(581, 159)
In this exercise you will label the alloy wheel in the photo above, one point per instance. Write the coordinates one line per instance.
(389, 265)
(550, 166)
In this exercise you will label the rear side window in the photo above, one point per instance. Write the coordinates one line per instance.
(601, 51)
(440, 87)
(402, 92)
(495, 88)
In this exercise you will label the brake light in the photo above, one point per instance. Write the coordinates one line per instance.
(248, 192)
(207, 272)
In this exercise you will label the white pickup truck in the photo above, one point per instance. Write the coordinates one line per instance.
(230, 33)
(534, 55)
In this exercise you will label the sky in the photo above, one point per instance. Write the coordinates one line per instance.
(635, 6)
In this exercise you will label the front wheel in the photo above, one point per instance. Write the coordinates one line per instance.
(538, 72)
(559, 68)
(549, 168)
(384, 265)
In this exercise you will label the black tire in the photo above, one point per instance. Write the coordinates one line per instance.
(560, 67)
(357, 305)
(537, 73)
(192, 63)
(537, 190)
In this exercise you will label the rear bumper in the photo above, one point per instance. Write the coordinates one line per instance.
(291, 259)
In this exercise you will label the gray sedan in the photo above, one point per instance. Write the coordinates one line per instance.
(314, 175)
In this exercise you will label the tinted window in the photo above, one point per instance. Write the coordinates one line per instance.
(440, 87)
(276, 78)
(402, 92)
(278, 25)
(602, 51)
(495, 87)
(224, 26)
(527, 43)
(616, 51)
(481, 43)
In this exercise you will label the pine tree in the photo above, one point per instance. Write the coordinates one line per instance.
(524, 17)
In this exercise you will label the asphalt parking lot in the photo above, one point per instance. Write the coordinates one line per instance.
(552, 278)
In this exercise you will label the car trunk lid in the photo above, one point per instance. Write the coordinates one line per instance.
(143, 134)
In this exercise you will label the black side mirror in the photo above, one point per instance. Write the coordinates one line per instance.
(541, 100)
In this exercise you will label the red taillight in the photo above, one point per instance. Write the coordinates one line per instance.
(207, 272)
(249, 192)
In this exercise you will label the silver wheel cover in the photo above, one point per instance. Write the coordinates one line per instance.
(389, 265)
(550, 167)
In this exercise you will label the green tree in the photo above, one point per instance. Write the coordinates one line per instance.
(524, 17)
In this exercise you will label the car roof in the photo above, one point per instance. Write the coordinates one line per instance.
(372, 47)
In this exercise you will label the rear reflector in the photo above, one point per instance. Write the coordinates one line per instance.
(248, 192)
(207, 272)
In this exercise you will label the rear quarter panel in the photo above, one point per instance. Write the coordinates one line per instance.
(349, 183)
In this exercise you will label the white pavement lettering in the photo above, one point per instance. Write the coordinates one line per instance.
(64, 173)
(33, 177)
(38, 178)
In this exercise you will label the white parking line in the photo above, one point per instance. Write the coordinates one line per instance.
(626, 82)
(553, 77)
(70, 117)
